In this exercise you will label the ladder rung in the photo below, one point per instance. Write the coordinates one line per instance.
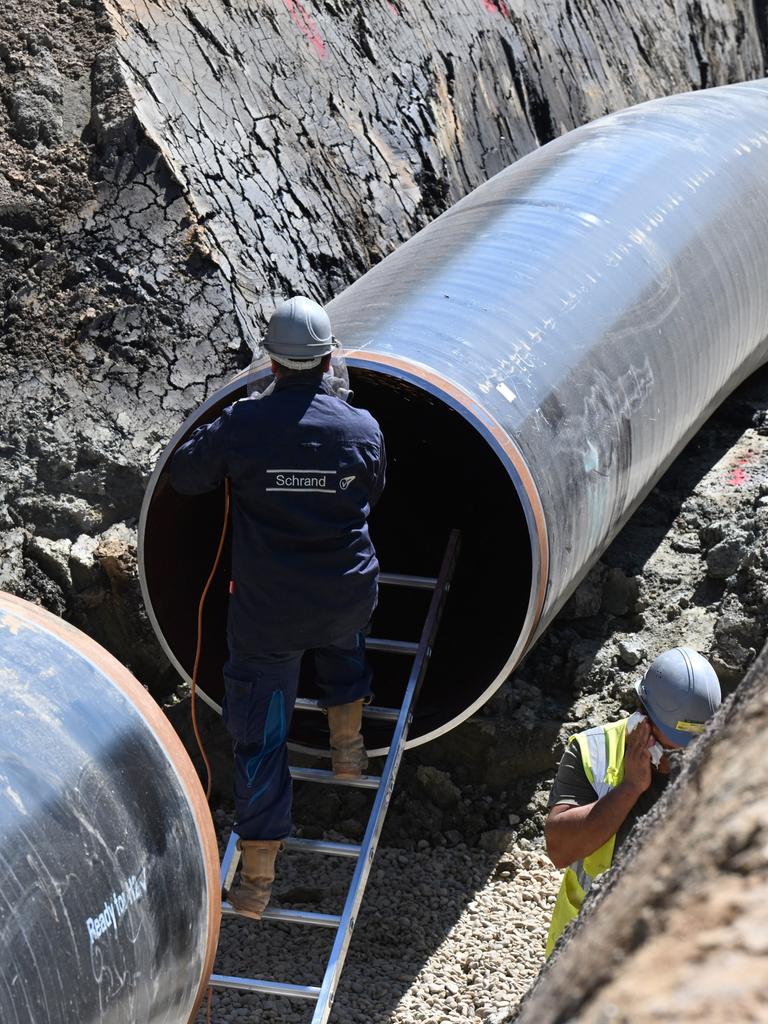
(286, 915)
(327, 777)
(369, 710)
(391, 646)
(381, 714)
(321, 846)
(273, 988)
(394, 579)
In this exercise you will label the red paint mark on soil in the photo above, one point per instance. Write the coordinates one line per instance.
(305, 23)
(738, 475)
(393, 9)
(496, 7)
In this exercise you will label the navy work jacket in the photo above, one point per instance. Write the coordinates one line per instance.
(305, 470)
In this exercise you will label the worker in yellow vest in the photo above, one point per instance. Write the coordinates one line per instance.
(611, 775)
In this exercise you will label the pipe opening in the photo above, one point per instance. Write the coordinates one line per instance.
(442, 473)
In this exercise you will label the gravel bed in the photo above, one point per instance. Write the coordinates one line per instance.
(444, 935)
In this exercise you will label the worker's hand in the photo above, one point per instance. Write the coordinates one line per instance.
(637, 757)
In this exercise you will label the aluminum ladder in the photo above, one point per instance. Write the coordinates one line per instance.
(324, 995)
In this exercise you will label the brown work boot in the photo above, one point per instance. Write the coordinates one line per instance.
(250, 895)
(347, 749)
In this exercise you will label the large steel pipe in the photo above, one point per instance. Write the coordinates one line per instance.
(109, 889)
(537, 357)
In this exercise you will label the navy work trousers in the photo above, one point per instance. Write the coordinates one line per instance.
(260, 691)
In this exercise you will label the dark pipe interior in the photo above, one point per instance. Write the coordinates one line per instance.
(441, 474)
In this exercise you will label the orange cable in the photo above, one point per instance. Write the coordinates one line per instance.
(208, 1009)
(199, 647)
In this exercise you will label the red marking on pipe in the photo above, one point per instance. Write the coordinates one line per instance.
(738, 475)
(306, 25)
(496, 7)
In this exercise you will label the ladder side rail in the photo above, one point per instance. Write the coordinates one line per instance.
(230, 861)
(384, 794)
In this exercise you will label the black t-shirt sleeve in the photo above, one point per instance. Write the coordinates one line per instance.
(571, 785)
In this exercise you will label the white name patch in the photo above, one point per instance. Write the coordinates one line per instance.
(298, 481)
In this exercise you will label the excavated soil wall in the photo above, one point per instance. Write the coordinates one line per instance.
(168, 171)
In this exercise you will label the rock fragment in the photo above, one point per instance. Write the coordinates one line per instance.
(632, 652)
(53, 557)
(725, 557)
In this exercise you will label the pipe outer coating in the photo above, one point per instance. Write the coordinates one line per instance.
(110, 899)
(596, 300)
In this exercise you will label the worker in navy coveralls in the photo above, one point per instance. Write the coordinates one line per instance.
(305, 470)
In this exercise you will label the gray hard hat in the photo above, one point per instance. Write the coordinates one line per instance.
(680, 691)
(299, 333)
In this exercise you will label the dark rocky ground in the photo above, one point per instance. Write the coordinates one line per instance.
(165, 173)
(107, 301)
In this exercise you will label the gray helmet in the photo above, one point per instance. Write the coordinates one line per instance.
(299, 334)
(680, 691)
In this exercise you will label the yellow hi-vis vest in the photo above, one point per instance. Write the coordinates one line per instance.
(602, 754)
